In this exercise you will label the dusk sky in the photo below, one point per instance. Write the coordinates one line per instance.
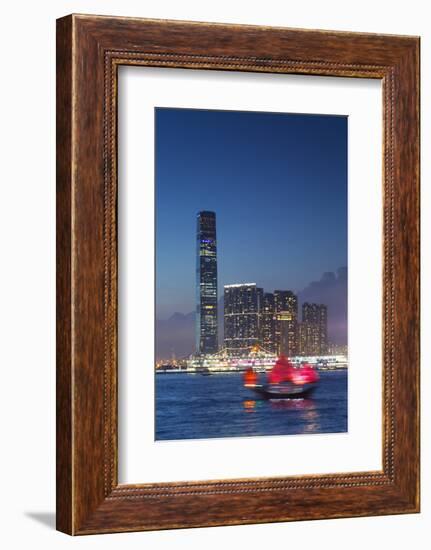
(278, 185)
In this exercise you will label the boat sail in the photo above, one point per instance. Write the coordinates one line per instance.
(284, 381)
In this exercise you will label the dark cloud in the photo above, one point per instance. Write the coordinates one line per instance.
(332, 291)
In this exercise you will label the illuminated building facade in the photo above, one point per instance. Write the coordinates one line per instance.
(267, 323)
(206, 284)
(288, 339)
(307, 339)
(313, 332)
(286, 322)
(242, 307)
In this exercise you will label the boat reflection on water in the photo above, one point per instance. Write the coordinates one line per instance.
(250, 405)
(292, 404)
(305, 412)
(286, 389)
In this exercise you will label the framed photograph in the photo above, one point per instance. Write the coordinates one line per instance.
(237, 274)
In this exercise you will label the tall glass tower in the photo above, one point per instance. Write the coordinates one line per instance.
(206, 284)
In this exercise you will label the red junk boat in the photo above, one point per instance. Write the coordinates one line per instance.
(284, 381)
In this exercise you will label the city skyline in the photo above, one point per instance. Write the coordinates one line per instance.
(183, 332)
(278, 185)
(251, 317)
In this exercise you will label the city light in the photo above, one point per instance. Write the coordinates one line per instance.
(258, 326)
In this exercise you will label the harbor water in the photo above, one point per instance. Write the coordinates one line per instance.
(194, 406)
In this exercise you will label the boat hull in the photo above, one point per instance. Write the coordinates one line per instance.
(282, 391)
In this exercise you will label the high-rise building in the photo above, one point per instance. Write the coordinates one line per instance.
(286, 322)
(313, 330)
(242, 306)
(307, 338)
(206, 284)
(323, 329)
(267, 323)
(287, 325)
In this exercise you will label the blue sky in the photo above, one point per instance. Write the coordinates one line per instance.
(278, 184)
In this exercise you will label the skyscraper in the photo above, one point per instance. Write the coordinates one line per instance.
(286, 322)
(242, 306)
(313, 330)
(307, 339)
(323, 329)
(206, 284)
(287, 325)
(267, 323)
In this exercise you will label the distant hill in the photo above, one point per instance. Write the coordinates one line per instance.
(175, 335)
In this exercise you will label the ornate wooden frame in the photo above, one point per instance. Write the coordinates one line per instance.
(89, 51)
